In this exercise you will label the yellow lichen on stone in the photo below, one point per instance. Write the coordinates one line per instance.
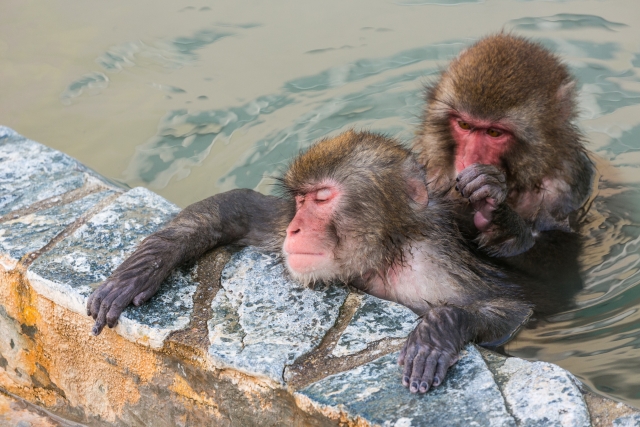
(182, 388)
(100, 374)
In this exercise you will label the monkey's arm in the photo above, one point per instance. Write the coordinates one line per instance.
(242, 217)
(433, 346)
(503, 232)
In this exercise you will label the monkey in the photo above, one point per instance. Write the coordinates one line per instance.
(498, 135)
(354, 208)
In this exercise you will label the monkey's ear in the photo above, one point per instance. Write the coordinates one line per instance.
(415, 179)
(566, 100)
(417, 189)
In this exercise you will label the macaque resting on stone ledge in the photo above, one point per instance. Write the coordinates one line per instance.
(355, 209)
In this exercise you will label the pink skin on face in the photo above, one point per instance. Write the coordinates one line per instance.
(307, 247)
(483, 142)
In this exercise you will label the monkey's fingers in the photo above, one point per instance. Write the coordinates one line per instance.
(402, 354)
(98, 327)
(117, 307)
(482, 187)
(108, 302)
(444, 363)
(408, 365)
(144, 296)
(101, 318)
(419, 363)
(488, 193)
(475, 170)
(95, 299)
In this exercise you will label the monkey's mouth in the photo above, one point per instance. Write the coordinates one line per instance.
(305, 253)
(308, 262)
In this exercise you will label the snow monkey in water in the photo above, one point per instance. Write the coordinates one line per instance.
(356, 209)
(499, 132)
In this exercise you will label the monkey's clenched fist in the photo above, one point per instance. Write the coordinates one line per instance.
(486, 188)
(432, 348)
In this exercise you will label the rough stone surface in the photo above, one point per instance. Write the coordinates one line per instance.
(69, 272)
(31, 232)
(262, 320)
(627, 421)
(374, 320)
(31, 172)
(17, 413)
(542, 394)
(468, 396)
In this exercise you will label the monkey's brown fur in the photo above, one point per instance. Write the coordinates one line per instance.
(510, 78)
(388, 239)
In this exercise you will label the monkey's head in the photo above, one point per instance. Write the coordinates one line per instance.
(504, 101)
(359, 198)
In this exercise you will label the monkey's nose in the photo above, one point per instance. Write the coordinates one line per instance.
(291, 232)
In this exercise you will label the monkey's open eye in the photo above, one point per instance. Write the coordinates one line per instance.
(464, 125)
(323, 195)
(494, 133)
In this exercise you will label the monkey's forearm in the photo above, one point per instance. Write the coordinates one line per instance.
(242, 217)
(508, 235)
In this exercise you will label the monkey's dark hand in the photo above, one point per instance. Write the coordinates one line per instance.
(432, 348)
(503, 232)
(136, 280)
(486, 188)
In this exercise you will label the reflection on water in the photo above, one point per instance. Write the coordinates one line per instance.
(203, 98)
(564, 21)
(186, 136)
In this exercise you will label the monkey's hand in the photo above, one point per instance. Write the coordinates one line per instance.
(135, 280)
(243, 217)
(503, 232)
(486, 188)
(432, 348)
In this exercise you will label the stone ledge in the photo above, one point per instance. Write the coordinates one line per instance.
(228, 341)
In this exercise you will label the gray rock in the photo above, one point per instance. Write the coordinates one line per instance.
(632, 420)
(70, 271)
(541, 394)
(374, 320)
(31, 172)
(263, 321)
(31, 232)
(468, 396)
(6, 132)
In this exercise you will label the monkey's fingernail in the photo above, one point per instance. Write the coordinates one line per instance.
(436, 382)
(457, 179)
(414, 387)
(424, 387)
(96, 330)
(457, 189)
(405, 381)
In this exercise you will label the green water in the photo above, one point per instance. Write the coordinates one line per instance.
(202, 97)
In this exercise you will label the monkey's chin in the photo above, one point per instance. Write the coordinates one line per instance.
(310, 268)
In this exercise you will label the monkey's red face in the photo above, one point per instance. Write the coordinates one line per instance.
(478, 141)
(309, 245)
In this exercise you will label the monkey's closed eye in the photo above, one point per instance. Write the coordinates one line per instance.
(323, 195)
(494, 133)
(464, 125)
